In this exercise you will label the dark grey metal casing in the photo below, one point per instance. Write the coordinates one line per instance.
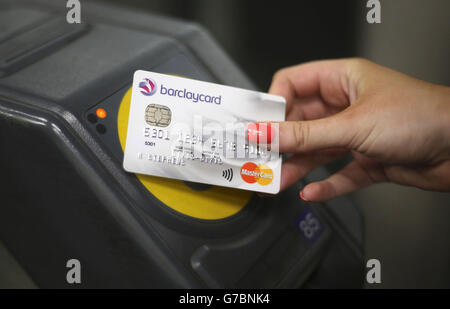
(65, 195)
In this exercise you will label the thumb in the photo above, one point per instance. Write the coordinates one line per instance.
(305, 136)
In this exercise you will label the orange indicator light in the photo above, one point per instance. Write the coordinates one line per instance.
(101, 113)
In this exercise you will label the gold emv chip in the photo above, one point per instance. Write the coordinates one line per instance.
(158, 115)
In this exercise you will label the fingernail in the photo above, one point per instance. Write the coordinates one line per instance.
(302, 196)
(262, 133)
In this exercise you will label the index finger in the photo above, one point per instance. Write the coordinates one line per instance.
(327, 79)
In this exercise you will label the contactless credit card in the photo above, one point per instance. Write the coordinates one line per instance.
(198, 131)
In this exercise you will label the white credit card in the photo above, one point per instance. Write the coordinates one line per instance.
(197, 131)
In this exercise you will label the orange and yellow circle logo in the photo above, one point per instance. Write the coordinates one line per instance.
(252, 173)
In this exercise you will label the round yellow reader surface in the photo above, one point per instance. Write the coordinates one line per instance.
(210, 204)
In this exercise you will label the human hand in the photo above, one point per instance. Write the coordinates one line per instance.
(396, 127)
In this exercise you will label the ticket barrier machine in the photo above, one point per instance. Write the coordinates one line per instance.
(64, 193)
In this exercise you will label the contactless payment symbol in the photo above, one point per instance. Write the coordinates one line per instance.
(148, 87)
(261, 174)
(228, 174)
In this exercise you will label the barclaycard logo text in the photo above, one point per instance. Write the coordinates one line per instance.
(192, 96)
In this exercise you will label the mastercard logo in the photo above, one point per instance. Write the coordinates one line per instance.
(261, 174)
